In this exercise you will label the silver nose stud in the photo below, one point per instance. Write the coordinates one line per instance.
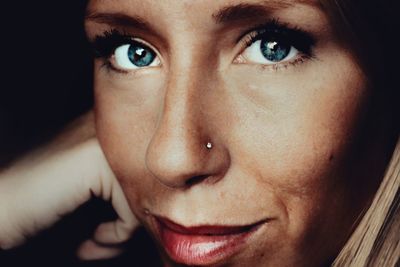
(209, 145)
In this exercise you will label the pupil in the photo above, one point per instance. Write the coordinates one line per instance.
(274, 50)
(140, 56)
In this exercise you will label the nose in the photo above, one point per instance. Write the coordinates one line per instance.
(185, 150)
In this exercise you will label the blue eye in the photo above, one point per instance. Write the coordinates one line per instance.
(123, 52)
(275, 43)
(269, 51)
(274, 50)
(135, 55)
(140, 56)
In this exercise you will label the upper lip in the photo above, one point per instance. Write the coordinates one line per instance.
(207, 229)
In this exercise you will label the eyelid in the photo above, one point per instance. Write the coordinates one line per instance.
(105, 44)
(303, 41)
(275, 26)
(104, 47)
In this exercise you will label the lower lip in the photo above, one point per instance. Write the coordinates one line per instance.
(192, 249)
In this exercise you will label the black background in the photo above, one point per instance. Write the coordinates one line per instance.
(46, 82)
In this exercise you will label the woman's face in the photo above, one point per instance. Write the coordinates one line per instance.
(270, 87)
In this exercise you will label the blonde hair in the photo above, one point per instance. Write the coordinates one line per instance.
(376, 240)
(365, 25)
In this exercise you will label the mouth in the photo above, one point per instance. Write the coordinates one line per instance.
(205, 244)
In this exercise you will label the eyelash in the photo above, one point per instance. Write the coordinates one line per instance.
(104, 45)
(301, 40)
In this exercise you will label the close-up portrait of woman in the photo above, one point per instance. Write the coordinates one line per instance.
(204, 133)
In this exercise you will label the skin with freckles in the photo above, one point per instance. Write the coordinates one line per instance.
(282, 133)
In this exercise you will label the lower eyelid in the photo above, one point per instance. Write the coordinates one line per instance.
(299, 60)
(110, 66)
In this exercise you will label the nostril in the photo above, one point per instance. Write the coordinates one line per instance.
(196, 180)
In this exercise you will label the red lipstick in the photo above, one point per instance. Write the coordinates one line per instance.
(202, 245)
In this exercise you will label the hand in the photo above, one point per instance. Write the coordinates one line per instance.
(41, 188)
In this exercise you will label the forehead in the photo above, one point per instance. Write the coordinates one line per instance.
(218, 10)
(164, 18)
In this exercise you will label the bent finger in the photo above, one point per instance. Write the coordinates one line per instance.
(113, 233)
(91, 251)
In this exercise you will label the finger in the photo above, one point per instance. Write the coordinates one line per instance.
(109, 189)
(90, 251)
(123, 228)
(113, 233)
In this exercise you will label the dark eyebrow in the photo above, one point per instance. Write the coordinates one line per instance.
(246, 11)
(119, 19)
(227, 14)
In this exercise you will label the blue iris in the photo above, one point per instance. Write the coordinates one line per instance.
(140, 55)
(274, 50)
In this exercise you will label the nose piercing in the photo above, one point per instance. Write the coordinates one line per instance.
(209, 145)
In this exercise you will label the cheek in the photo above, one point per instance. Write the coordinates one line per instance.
(126, 118)
(295, 134)
(298, 123)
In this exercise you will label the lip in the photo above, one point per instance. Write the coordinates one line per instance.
(205, 244)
